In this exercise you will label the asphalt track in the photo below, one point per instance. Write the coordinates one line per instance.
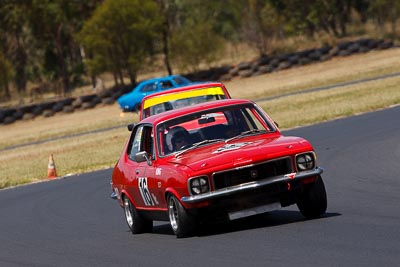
(73, 222)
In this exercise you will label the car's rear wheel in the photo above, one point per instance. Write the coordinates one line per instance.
(137, 224)
(136, 108)
(312, 201)
(183, 224)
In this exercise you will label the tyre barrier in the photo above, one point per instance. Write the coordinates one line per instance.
(9, 120)
(48, 113)
(108, 101)
(47, 109)
(68, 109)
(18, 114)
(87, 98)
(77, 103)
(264, 64)
(88, 105)
(28, 116)
(37, 111)
(58, 107)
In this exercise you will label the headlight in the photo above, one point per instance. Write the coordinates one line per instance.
(305, 162)
(199, 185)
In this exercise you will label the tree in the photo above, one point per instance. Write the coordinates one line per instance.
(6, 73)
(310, 16)
(54, 24)
(194, 44)
(194, 40)
(166, 11)
(14, 38)
(385, 11)
(120, 35)
(260, 23)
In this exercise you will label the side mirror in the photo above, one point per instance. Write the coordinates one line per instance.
(142, 157)
(131, 126)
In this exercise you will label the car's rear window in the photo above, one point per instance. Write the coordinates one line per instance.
(180, 99)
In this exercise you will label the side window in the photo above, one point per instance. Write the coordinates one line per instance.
(165, 84)
(141, 140)
(149, 88)
(180, 80)
(251, 120)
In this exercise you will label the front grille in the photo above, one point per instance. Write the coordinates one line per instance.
(252, 173)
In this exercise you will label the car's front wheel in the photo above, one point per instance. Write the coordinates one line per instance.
(183, 224)
(137, 224)
(312, 201)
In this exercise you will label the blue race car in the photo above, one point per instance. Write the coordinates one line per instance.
(132, 100)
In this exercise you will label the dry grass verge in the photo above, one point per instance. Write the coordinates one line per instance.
(304, 109)
(73, 155)
(63, 124)
(337, 70)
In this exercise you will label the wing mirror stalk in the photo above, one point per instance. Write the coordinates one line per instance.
(143, 156)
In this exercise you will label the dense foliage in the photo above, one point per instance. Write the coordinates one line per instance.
(54, 43)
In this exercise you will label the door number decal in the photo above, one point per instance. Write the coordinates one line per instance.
(144, 191)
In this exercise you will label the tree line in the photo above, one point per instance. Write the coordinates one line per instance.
(54, 43)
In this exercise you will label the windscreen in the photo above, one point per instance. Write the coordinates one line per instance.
(219, 124)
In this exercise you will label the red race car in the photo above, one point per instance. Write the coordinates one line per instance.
(223, 159)
(182, 97)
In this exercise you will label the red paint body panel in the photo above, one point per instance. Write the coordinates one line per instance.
(147, 185)
(144, 113)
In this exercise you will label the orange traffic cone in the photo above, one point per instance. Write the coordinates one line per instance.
(51, 168)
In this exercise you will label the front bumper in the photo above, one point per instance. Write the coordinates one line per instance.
(248, 187)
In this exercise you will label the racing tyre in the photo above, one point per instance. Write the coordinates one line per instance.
(183, 224)
(137, 108)
(136, 223)
(312, 201)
